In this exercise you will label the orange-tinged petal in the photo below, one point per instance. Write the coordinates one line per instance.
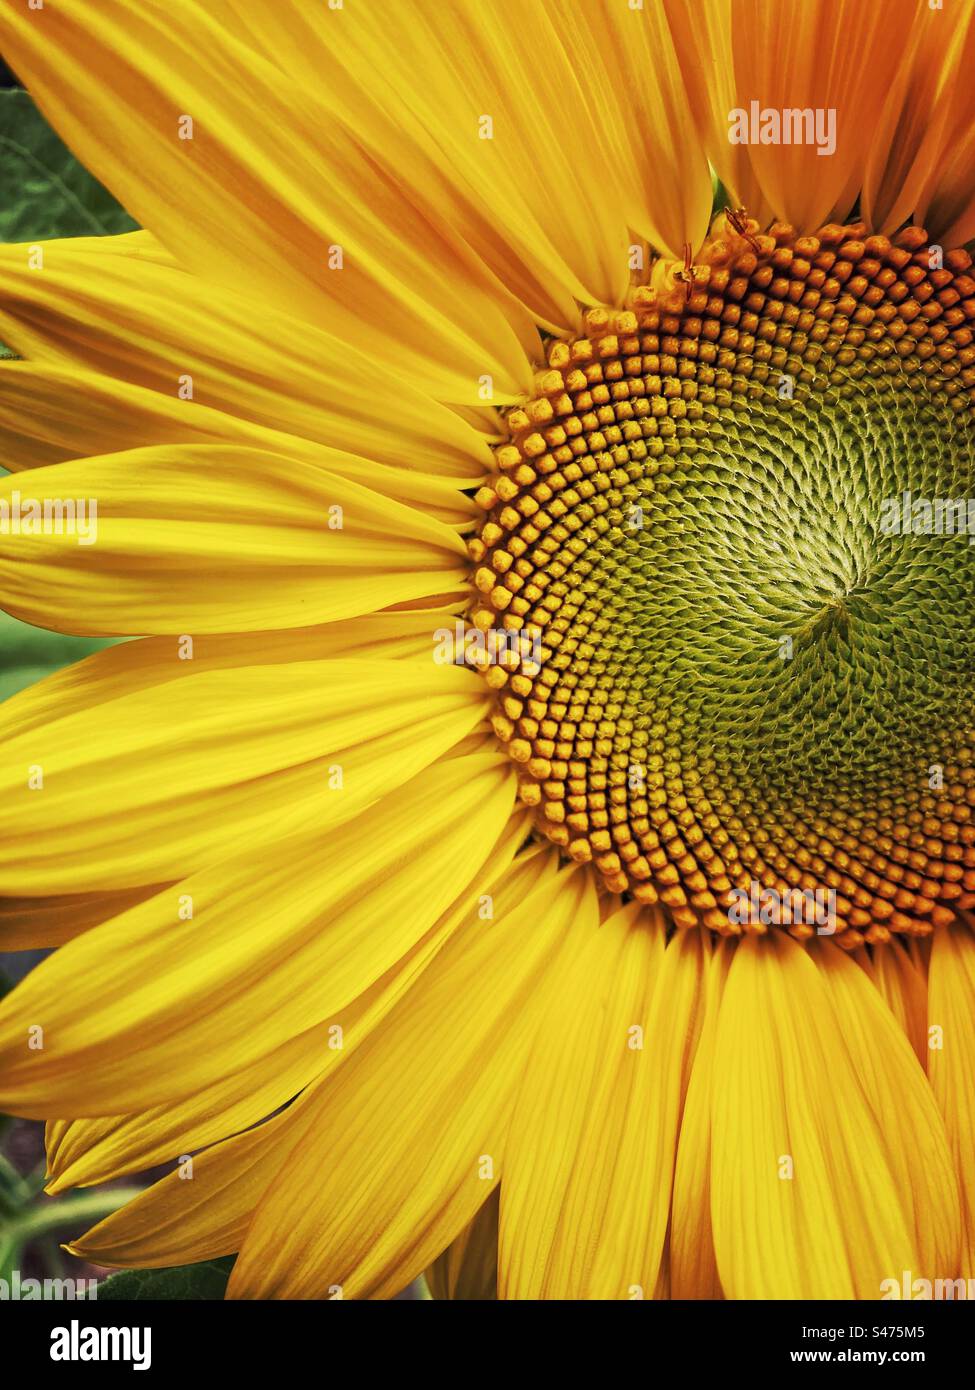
(810, 59)
(519, 137)
(657, 142)
(910, 143)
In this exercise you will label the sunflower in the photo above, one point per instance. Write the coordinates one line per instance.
(536, 608)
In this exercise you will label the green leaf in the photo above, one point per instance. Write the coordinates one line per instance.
(206, 1281)
(720, 197)
(44, 191)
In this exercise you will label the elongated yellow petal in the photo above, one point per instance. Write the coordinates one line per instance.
(123, 669)
(693, 1268)
(87, 1151)
(585, 1198)
(209, 539)
(150, 1006)
(96, 1150)
(830, 1170)
(169, 1225)
(180, 1220)
(26, 923)
(468, 1268)
(657, 145)
(921, 1171)
(951, 1066)
(702, 37)
(152, 784)
(522, 122)
(405, 1142)
(49, 415)
(904, 989)
(264, 186)
(123, 308)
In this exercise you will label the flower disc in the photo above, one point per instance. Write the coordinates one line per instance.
(752, 656)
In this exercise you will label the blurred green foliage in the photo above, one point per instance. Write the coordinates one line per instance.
(28, 653)
(44, 191)
(206, 1281)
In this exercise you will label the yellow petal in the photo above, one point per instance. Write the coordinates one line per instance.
(468, 1268)
(657, 147)
(121, 308)
(270, 189)
(181, 1220)
(830, 1170)
(27, 923)
(168, 1224)
(951, 1066)
(904, 989)
(123, 669)
(404, 1143)
(889, 1079)
(201, 538)
(153, 784)
(150, 1006)
(81, 1152)
(693, 1268)
(49, 415)
(520, 138)
(585, 1197)
(702, 37)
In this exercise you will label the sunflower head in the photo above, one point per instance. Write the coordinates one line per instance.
(418, 966)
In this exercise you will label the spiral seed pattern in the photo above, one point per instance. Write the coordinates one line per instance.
(748, 674)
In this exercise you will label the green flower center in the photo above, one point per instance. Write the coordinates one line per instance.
(735, 524)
